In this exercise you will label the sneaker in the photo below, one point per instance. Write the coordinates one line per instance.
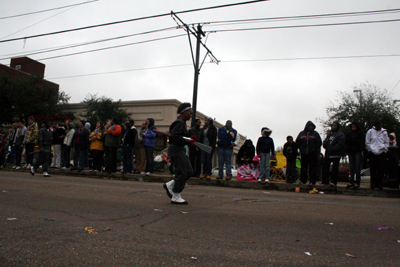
(332, 184)
(24, 167)
(64, 168)
(32, 170)
(18, 167)
(266, 180)
(45, 174)
(168, 188)
(259, 180)
(14, 167)
(142, 173)
(149, 174)
(177, 199)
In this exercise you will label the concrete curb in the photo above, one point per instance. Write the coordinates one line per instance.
(274, 185)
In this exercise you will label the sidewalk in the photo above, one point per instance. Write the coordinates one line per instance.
(341, 189)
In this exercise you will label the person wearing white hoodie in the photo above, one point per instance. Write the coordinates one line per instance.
(377, 144)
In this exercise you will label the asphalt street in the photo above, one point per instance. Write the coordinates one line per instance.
(43, 223)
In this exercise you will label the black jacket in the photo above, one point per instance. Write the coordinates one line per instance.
(81, 138)
(211, 135)
(56, 136)
(355, 140)
(334, 143)
(177, 131)
(265, 145)
(129, 137)
(290, 151)
(246, 153)
(309, 142)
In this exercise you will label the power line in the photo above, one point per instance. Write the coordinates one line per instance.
(47, 10)
(112, 47)
(118, 71)
(360, 13)
(228, 61)
(36, 23)
(263, 28)
(52, 49)
(306, 26)
(130, 20)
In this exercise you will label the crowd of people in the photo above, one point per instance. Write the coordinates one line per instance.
(137, 145)
(80, 144)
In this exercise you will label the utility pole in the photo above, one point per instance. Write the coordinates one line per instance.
(198, 33)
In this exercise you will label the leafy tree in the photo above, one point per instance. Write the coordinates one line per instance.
(24, 97)
(102, 109)
(372, 104)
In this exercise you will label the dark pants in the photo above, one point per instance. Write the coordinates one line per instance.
(149, 159)
(291, 171)
(355, 167)
(80, 157)
(65, 156)
(18, 155)
(97, 156)
(195, 160)
(29, 147)
(183, 168)
(377, 168)
(335, 170)
(2, 157)
(127, 155)
(43, 159)
(309, 164)
(207, 162)
(111, 159)
(11, 157)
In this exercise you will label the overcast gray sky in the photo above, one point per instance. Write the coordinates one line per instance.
(260, 80)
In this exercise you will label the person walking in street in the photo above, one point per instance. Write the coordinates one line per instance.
(290, 151)
(128, 147)
(96, 139)
(309, 142)
(377, 145)
(208, 136)
(81, 140)
(194, 152)
(19, 144)
(354, 147)
(149, 141)
(58, 139)
(266, 149)
(227, 139)
(177, 153)
(68, 144)
(45, 140)
(112, 143)
(30, 141)
(140, 154)
(334, 145)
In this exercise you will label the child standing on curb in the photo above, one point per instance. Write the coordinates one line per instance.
(265, 148)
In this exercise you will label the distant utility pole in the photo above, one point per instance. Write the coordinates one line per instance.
(198, 33)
